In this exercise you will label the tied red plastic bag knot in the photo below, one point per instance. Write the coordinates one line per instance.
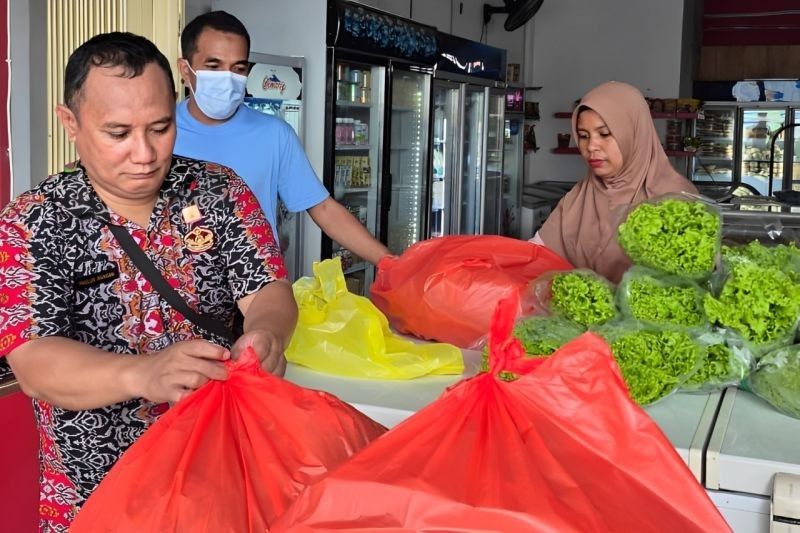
(505, 351)
(230, 457)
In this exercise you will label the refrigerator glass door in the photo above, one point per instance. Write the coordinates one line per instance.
(358, 141)
(757, 128)
(445, 145)
(472, 166)
(795, 170)
(408, 154)
(276, 89)
(714, 160)
(512, 176)
(494, 164)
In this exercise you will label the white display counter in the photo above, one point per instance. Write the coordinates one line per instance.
(751, 442)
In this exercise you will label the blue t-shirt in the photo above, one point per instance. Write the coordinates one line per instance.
(262, 149)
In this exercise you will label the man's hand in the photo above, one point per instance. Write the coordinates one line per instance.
(173, 373)
(267, 346)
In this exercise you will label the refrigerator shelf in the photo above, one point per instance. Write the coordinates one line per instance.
(356, 190)
(714, 158)
(355, 268)
(352, 147)
(346, 103)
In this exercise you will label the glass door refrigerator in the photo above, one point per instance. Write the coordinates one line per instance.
(513, 156)
(495, 127)
(445, 162)
(275, 87)
(742, 145)
(468, 125)
(377, 128)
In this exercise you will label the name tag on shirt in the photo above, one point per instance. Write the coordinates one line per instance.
(97, 278)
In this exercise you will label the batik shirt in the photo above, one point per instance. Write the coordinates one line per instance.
(62, 273)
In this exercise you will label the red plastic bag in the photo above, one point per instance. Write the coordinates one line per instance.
(229, 458)
(562, 448)
(445, 289)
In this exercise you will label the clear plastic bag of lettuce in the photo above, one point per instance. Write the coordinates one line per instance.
(540, 336)
(728, 361)
(582, 296)
(784, 257)
(676, 234)
(761, 303)
(655, 362)
(661, 299)
(776, 379)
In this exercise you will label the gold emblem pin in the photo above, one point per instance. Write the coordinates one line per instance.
(199, 239)
(191, 214)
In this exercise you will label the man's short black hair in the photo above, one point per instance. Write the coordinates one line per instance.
(108, 50)
(217, 20)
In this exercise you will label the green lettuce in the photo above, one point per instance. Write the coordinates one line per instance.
(653, 362)
(760, 303)
(651, 300)
(783, 257)
(582, 297)
(539, 336)
(674, 236)
(777, 380)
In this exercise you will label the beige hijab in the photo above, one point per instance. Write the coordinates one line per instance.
(582, 228)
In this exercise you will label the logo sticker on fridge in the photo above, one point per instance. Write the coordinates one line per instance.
(274, 82)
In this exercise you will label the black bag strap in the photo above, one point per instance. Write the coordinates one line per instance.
(156, 279)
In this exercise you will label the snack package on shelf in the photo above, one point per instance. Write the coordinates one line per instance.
(229, 457)
(446, 288)
(561, 448)
(345, 334)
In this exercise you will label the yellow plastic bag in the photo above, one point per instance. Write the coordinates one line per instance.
(341, 333)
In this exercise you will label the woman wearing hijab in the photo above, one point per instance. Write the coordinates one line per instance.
(627, 165)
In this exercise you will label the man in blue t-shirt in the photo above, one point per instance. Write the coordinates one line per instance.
(214, 125)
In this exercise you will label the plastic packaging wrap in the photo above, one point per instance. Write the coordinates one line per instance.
(583, 296)
(661, 300)
(344, 334)
(762, 304)
(776, 379)
(676, 234)
(655, 362)
(729, 361)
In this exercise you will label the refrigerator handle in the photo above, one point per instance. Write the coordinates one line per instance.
(386, 193)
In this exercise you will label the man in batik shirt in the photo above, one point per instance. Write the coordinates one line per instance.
(85, 333)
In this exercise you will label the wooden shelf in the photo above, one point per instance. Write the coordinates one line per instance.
(654, 114)
(670, 153)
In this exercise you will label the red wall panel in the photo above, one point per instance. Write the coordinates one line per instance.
(19, 465)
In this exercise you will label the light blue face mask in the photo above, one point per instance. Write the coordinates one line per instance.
(218, 92)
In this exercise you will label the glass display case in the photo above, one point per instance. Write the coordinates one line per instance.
(408, 156)
(358, 141)
(495, 128)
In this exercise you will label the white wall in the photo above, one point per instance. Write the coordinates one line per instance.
(578, 44)
(294, 28)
